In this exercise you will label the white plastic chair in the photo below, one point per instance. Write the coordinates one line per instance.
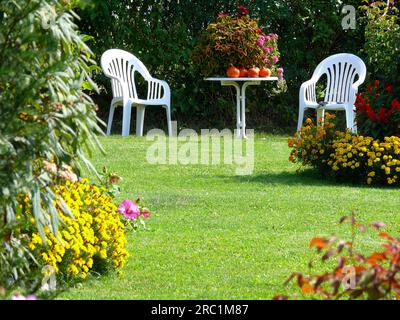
(121, 66)
(345, 73)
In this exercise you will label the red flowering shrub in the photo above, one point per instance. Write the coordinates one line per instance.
(356, 275)
(378, 111)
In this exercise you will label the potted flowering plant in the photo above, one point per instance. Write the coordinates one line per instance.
(378, 111)
(236, 45)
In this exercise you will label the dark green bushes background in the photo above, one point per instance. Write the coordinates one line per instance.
(163, 33)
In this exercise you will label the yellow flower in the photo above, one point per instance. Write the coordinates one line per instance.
(371, 174)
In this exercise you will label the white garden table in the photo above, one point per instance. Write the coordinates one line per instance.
(241, 84)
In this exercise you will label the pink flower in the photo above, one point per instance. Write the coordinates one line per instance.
(222, 14)
(275, 59)
(280, 72)
(267, 38)
(67, 174)
(267, 49)
(260, 41)
(50, 167)
(145, 213)
(129, 209)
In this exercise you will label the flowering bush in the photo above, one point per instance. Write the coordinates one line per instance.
(357, 275)
(93, 239)
(345, 156)
(236, 40)
(134, 213)
(378, 111)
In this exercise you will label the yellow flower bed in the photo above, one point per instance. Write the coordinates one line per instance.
(95, 235)
(346, 156)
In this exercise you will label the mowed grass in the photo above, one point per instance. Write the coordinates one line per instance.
(216, 235)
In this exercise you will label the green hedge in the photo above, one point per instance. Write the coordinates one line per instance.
(163, 33)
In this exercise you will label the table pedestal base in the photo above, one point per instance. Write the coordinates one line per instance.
(240, 104)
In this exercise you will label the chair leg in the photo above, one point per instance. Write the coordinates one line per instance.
(140, 120)
(110, 118)
(350, 120)
(168, 110)
(126, 118)
(301, 118)
(320, 116)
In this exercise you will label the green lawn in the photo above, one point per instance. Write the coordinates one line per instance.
(215, 235)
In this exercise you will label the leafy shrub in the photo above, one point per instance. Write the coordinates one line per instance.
(347, 157)
(46, 117)
(378, 111)
(45, 114)
(235, 41)
(94, 239)
(357, 275)
(382, 38)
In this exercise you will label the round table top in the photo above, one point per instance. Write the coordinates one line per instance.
(241, 79)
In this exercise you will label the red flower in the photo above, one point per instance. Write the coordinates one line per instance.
(243, 10)
(360, 98)
(376, 82)
(382, 115)
(371, 113)
(370, 88)
(388, 88)
(396, 104)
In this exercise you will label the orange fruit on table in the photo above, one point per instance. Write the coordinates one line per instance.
(254, 72)
(265, 72)
(244, 72)
(233, 72)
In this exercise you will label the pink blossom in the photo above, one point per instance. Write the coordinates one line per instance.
(67, 174)
(50, 167)
(280, 72)
(129, 209)
(145, 213)
(267, 38)
(260, 41)
(267, 49)
(275, 59)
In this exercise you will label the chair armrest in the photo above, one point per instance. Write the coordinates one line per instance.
(154, 92)
(307, 91)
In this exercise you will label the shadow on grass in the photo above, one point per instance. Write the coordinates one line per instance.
(307, 177)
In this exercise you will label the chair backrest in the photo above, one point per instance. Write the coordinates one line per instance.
(342, 71)
(122, 65)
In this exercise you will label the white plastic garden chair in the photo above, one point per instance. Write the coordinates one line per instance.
(121, 67)
(345, 73)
